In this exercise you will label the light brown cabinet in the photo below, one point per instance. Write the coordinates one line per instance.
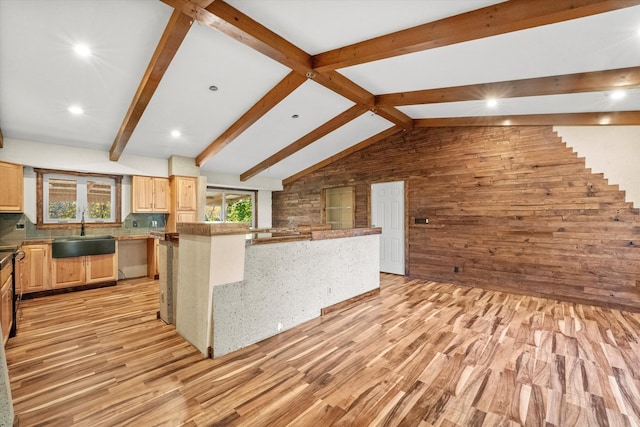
(66, 272)
(101, 268)
(150, 194)
(75, 271)
(6, 301)
(12, 183)
(184, 201)
(32, 272)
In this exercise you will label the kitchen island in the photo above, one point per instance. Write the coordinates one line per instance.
(236, 288)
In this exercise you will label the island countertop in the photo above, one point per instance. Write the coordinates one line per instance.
(296, 235)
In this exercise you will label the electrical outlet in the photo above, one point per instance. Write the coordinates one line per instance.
(279, 326)
(19, 226)
(154, 224)
(135, 223)
(456, 269)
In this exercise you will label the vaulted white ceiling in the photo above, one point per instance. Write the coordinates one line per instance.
(41, 76)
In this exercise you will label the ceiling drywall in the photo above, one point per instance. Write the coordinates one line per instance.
(41, 76)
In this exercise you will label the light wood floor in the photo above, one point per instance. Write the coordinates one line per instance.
(421, 353)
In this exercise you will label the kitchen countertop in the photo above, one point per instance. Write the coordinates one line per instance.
(322, 234)
(46, 241)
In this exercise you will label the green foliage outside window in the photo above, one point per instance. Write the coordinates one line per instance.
(100, 210)
(62, 210)
(239, 211)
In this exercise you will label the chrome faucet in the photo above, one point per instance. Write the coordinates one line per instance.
(82, 225)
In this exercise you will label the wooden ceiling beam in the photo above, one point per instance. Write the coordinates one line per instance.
(306, 140)
(225, 18)
(501, 18)
(286, 86)
(619, 118)
(230, 21)
(569, 83)
(345, 87)
(344, 153)
(172, 37)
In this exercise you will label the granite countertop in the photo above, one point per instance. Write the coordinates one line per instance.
(213, 228)
(46, 241)
(320, 234)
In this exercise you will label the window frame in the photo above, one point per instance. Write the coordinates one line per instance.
(351, 208)
(224, 191)
(40, 199)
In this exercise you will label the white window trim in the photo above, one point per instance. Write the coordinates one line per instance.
(224, 192)
(81, 199)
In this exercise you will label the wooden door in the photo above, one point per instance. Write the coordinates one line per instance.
(6, 308)
(186, 189)
(101, 268)
(161, 199)
(387, 211)
(66, 272)
(141, 194)
(32, 272)
(12, 183)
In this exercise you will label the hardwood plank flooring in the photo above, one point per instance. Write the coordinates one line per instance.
(418, 354)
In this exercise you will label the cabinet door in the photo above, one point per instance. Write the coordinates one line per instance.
(101, 268)
(186, 217)
(12, 183)
(141, 194)
(32, 272)
(67, 272)
(161, 195)
(186, 188)
(6, 309)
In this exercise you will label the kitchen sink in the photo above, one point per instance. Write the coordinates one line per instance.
(67, 247)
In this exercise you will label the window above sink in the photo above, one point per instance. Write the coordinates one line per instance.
(67, 199)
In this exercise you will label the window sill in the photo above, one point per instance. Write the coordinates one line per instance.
(77, 225)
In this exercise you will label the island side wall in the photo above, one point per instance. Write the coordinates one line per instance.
(286, 284)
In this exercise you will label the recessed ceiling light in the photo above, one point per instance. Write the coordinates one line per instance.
(492, 102)
(213, 88)
(76, 110)
(175, 133)
(82, 50)
(294, 116)
(618, 94)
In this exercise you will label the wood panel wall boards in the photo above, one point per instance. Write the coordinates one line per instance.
(509, 208)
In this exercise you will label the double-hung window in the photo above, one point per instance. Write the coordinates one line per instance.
(71, 197)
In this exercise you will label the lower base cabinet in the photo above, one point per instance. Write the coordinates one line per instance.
(32, 272)
(101, 268)
(67, 272)
(6, 303)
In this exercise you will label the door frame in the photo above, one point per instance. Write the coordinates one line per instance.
(407, 271)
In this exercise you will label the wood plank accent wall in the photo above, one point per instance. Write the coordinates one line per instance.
(513, 208)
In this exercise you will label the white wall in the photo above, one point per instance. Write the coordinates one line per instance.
(611, 150)
(264, 209)
(40, 155)
(132, 258)
(50, 156)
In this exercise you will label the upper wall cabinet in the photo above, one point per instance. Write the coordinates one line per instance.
(184, 201)
(149, 194)
(12, 184)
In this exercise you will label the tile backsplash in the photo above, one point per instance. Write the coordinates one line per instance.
(133, 224)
